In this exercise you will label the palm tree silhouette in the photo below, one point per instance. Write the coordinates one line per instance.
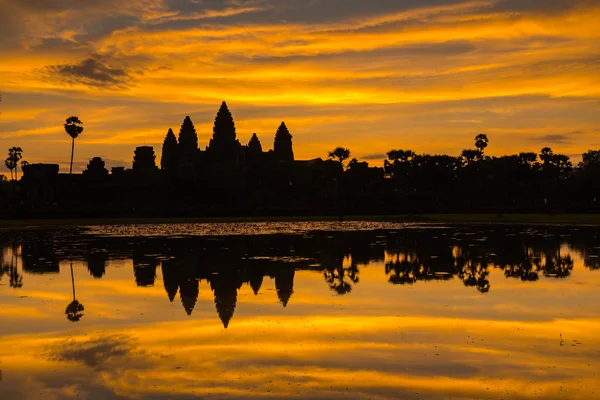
(73, 126)
(75, 309)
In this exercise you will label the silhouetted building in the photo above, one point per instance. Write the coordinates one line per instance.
(39, 185)
(224, 146)
(283, 144)
(168, 159)
(96, 169)
(144, 161)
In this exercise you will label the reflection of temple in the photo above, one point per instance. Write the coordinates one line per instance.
(226, 264)
(38, 255)
(96, 263)
(144, 268)
(225, 287)
(284, 284)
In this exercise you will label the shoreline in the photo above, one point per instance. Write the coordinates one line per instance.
(457, 219)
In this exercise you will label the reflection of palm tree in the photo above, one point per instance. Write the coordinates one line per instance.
(557, 265)
(476, 275)
(525, 269)
(16, 280)
(75, 309)
(336, 277)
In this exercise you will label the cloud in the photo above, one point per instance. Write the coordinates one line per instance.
(92, 71)
(552, 139)
(375, 157)
(361, 74)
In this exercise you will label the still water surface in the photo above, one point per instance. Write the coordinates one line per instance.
(300, 310)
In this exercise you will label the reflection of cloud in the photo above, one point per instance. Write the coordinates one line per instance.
(324, 357)
(94, 353)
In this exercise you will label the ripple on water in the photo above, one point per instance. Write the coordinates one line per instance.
(244, 228)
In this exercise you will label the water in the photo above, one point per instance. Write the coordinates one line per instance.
(300, 310)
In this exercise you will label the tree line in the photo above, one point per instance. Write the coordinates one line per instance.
(246, 178)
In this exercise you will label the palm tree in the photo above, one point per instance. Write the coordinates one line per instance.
(340, 154)
(73, 126)
(481, 142)
(14, 155)
(75, 309)
(23, 165)
(9, 165)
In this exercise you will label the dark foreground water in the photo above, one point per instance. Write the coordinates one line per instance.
(315, 310)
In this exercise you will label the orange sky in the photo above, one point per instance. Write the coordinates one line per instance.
(426, 75)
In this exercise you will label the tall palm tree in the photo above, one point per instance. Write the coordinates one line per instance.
(9, 165)
(340, 154)
(75, 309)
(73, 126)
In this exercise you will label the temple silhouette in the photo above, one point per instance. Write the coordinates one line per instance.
(229, 178)
(225, 178)
(408, 257)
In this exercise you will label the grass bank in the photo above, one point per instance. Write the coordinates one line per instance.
(529, 219)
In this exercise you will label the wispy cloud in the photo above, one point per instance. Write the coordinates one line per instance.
(421, 74)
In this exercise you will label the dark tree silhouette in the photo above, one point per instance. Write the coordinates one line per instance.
(528, 159)
(8, 163)
(400, 155)
(546, 155)
(169, 152)
(188, 138)
(12, 161)
(254, 145)
(73, 127)
(340, 154)
(96, 169)
(283, 144)
(590, 159)
(74, 310)
(336, 276)
(24, 165)
(481, 142)
(469, 156)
